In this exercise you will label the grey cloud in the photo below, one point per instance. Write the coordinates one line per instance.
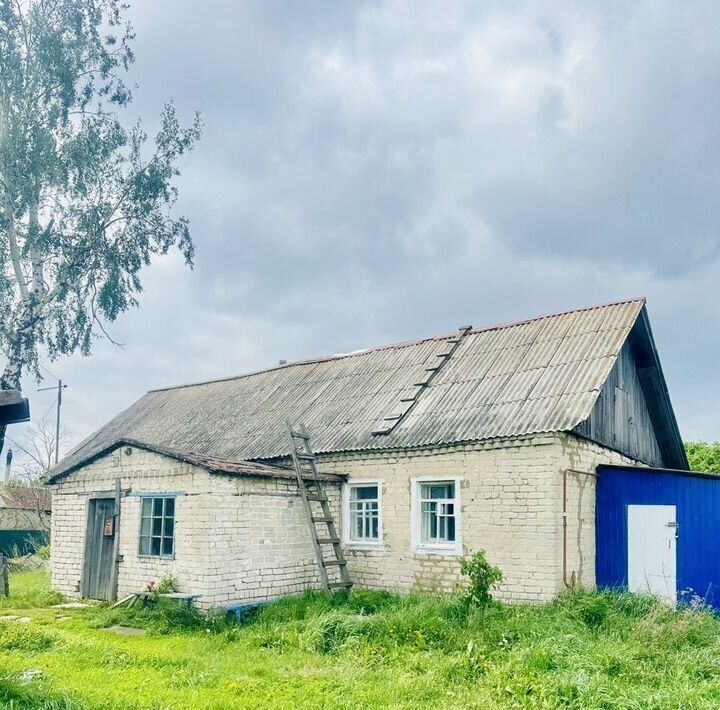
(378, 171)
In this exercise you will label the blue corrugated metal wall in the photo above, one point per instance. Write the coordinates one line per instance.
(697, 499)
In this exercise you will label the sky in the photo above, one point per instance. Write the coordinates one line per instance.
(372, 172)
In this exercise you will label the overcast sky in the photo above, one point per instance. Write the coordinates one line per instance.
(379, 171)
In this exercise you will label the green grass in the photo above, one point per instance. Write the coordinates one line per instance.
(369, 650)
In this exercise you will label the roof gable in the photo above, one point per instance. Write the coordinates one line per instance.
(535, 376)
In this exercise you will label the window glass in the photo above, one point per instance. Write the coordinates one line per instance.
(157, 526)
(438, 490)
(364, 513)
(437, 512)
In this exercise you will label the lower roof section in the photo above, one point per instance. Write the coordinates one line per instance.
(212, 464)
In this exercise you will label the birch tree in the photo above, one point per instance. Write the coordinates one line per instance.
(85, 202)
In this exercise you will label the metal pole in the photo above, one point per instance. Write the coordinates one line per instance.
(57, 420)
(8, 463)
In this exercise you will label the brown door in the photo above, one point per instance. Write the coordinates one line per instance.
(99, 549)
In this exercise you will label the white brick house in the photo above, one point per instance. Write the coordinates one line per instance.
(487, 438)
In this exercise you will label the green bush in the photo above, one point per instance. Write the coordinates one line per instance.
(43, 552)
(703, 457)
(483, 578)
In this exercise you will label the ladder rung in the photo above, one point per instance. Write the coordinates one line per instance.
(420, 384)
(300, 435)
(334, 563)
(317, 496)
(434, 368)
(443, 355)
(338, 585)
(305, 457)
(328, 541)
(322, 519)
(408, 399)
(380, 432)
(393, 417)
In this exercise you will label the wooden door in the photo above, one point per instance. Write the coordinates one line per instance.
(652, 557)
(99, 549)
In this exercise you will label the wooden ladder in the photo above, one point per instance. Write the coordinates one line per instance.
(313, 492)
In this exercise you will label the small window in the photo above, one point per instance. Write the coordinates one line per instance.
(364, 513)
(157, 527)
(438, 510)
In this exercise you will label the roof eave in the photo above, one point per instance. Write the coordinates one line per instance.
(262, 470)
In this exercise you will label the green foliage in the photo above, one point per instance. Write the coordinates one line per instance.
(43, 552)
(703, 457)
(29, 590)
(18, 637)
(166, 585)
(585, 651)
(483, 577)
(163, 616)
(17, 694)
(85, 202)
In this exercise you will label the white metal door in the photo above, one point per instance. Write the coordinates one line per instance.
(652, 559)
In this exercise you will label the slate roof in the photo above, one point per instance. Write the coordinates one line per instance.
(212, 464)
(535, 376)
(35, 499)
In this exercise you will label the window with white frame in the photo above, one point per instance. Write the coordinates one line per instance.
(437, 511)
(436, 516)
(157, 526)
(363, 513)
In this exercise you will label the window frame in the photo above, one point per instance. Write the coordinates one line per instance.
(369, 544)
(163, 517)
(453, 548)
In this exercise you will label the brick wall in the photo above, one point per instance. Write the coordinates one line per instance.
(236, 538)
(581, 457)
(511, 506)
(241, 539)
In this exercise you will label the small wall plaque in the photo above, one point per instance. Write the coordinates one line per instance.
(109, 529)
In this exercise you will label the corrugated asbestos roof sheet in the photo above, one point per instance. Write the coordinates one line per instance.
(536, 376)
(26, 498)
(213, 464)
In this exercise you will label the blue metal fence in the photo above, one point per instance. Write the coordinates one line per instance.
(697, 500)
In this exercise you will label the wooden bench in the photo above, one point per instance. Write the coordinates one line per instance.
(179, 597)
